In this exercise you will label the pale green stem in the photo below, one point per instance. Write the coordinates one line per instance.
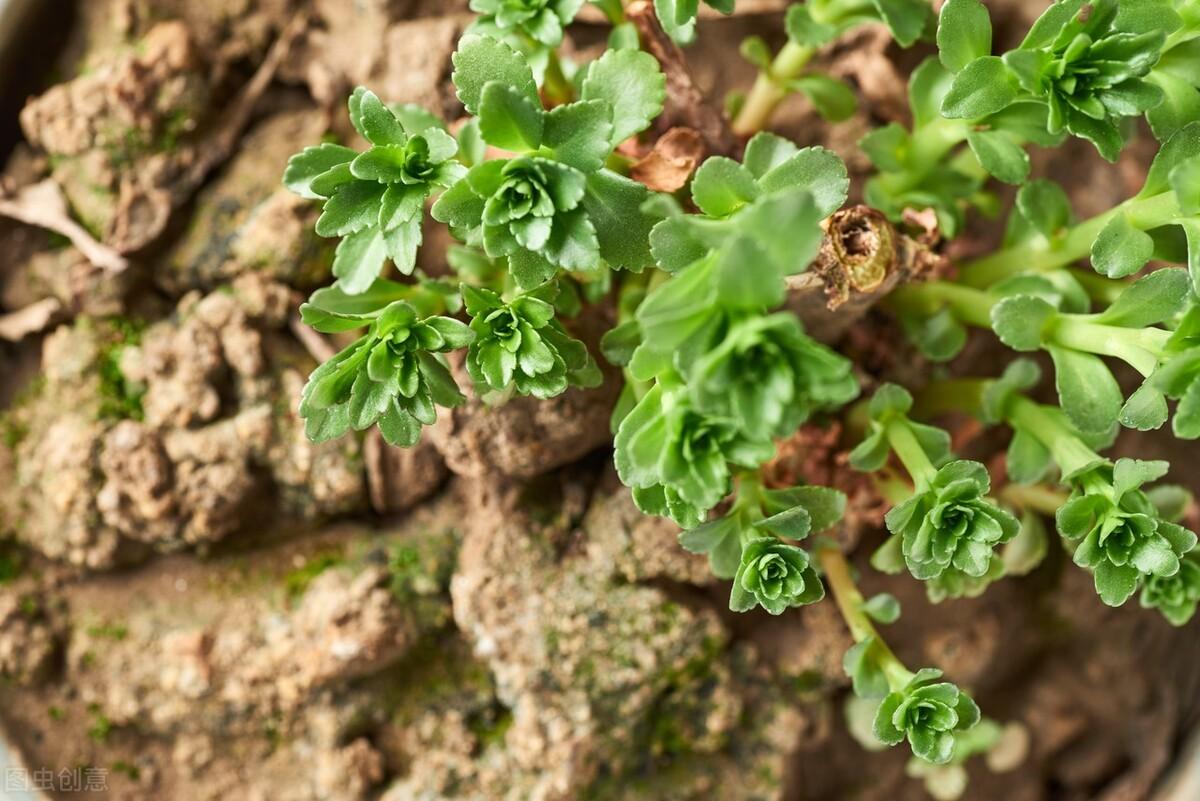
(1140, 348)
(910, 452)
(768, 90)
(850, 602)
(1069, 452)
(1040, 254)
(929, 146)
(1036, 497)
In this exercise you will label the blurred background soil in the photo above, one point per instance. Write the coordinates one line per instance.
(201, 603)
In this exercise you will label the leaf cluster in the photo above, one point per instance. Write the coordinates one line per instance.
(522, 343)
(375, 200)
(927, 713)
(727, 376)
(553, 205)
(946, 531)
(1121, 534)
(1086, 63)
(753, 545)
(392, 375)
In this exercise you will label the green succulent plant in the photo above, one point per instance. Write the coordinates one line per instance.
(522, 343)
(775, 576)
(546, 186)
(928, 714)
(375, 199)
(1174, 596)
(391, 376)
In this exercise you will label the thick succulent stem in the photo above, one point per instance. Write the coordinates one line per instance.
(911, 454)
(1070, 453)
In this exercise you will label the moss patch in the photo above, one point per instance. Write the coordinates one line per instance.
(120, 398)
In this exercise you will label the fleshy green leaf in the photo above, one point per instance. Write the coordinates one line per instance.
(833, 99)
(1020, 321)
(509, 120)
(374, 120)
(632, 84)
(983, 87)
(906, 19)
(1185, 180)
(480, 60)
(311, 162)
(816, 169)
(614, 205)
(358, 260)
(1045, 206)
(721, 187)
(1087, 390)
(1145, 410)
(804, 30)
(579, 134)
(882, 608)
(1121, 249)
(1155, 298)
(1002, 157)
(1183, 145)
(964, 33)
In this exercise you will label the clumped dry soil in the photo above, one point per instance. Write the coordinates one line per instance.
(205, 605)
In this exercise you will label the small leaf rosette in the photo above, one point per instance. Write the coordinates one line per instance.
(376, 199)
(1120, 536)
(1177, 596)
(390, 376)
(678, 457)
(522, 343)
(928, 714)
(951, 524)
(769, 374)
(775, 576)
(540, 20)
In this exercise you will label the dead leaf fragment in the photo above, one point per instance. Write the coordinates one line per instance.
(671, 163)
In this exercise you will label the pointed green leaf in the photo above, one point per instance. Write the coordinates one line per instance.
(1000, 155)
(311, 162)
(983, 87)
(358, 260)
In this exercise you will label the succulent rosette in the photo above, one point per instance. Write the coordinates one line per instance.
(951, 523)
(767, 372)
(522, 343)
(1120, 535)
(928, 714)
(664, 441)
(375, 200)
(539, 20)
(390, 376)
(1177, 596)
(775, 576)
(530, 210)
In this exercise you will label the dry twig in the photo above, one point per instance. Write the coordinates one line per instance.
(42, 204)
(686, 105)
